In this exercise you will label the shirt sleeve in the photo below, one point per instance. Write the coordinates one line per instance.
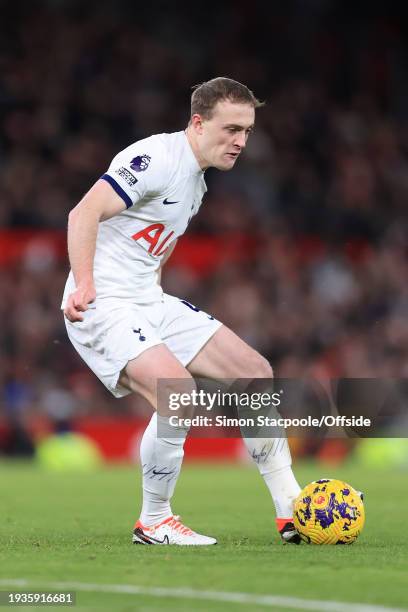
(137, 172)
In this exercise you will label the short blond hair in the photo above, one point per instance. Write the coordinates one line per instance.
(206, 95)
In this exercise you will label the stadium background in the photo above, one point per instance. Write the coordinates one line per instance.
(301, 249)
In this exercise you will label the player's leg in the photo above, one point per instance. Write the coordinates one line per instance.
(161, 457)
(226, 356)
(119, 343)
(161, 449)
(210, 350)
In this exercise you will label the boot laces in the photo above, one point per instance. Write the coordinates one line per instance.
(176, 524)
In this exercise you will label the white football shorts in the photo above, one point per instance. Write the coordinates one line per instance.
(114, 331)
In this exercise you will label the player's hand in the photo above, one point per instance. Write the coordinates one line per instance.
(79, 301)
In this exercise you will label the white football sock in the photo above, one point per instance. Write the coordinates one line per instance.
(272, 456)
(161, 459)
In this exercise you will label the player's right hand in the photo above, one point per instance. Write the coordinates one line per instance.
(79, 301)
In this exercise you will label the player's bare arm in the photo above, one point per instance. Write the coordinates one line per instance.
(100, 203)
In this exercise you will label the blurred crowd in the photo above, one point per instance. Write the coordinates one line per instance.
(321, 189)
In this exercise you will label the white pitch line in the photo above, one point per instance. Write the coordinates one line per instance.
(187, 593)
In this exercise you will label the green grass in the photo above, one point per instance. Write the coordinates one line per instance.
(76, 527)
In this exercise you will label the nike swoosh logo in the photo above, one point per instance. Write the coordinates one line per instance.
(165, 540)
(149, 539)
(166, 201)
(161, 473)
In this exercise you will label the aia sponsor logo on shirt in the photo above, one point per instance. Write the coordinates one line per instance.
(153, 235)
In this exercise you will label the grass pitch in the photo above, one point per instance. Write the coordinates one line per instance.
(76, 527)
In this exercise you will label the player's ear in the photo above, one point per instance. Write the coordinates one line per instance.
(197, 123)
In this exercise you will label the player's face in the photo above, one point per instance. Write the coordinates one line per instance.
(224, 136)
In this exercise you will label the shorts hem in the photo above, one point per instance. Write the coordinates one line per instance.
(113, 386)
(194, 352)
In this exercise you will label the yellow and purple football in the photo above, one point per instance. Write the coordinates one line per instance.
(329, 511)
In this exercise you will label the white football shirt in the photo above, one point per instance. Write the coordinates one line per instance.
(162, 186)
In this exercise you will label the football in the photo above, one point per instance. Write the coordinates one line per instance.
(329, 511)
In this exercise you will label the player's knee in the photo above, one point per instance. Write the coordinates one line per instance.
(259, 367)
(176, 397)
